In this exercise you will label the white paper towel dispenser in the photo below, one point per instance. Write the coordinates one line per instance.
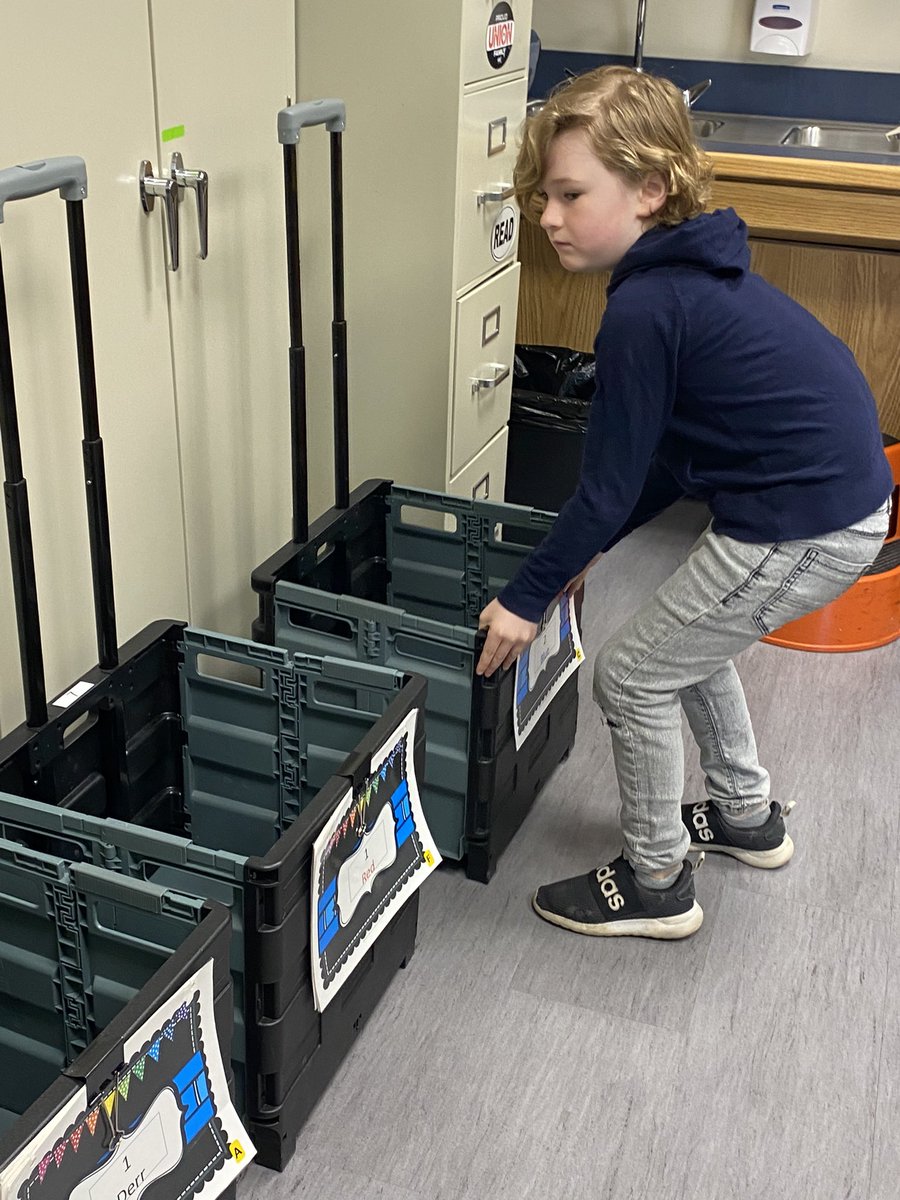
(783, 28)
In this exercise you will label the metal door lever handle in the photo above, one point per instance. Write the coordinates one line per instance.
(168, 189)
(480, 384)
(198, 181)
(503, 192)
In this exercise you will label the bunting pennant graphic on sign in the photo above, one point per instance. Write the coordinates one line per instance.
(169, 1115)
(373, 853)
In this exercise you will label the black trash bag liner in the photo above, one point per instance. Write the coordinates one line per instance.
(555, 370)
(553, 387)
(563, 413)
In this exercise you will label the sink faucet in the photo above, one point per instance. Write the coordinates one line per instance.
(692, 93)
(695, 91)
(639, 36)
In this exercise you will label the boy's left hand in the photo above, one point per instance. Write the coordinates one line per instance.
(507, 637)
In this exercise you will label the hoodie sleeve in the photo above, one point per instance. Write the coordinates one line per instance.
(660, 490)
(637, 355)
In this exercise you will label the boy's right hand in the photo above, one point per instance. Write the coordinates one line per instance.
(507, 637)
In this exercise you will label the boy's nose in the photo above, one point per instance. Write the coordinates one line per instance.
(548, 216)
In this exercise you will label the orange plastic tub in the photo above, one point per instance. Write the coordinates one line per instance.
(866, 616)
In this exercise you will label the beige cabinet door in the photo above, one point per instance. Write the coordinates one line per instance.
(191, 365)
(223, 70)
(77, 79)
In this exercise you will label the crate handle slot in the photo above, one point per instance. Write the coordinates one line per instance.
(321, 622)
(330, 696)
(226, 670)
(434, 519)
(78, 728)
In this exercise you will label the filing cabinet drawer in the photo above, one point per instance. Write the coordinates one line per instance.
(487, 217)
(485, 476)
(482, 369)
(496, 36)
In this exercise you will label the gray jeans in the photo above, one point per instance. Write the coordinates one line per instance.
(676, 653)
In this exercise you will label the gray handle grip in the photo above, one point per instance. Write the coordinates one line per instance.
(330, 113)
(69, 174)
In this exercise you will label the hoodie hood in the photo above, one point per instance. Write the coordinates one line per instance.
(715, 242)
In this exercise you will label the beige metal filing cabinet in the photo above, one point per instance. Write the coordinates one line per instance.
(435, 99)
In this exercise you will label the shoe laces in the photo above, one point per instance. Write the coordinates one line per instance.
(698, 863)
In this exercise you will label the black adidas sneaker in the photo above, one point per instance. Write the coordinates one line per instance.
(766, 846)
(609, 902)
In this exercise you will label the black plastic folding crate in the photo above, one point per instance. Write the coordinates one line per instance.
(88, 957)
(168, 770)
(236, 768)
(399, 577)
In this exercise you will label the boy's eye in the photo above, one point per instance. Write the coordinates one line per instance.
(571, 195)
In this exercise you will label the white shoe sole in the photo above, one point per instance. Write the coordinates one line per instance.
(767, 859)
(662, 928)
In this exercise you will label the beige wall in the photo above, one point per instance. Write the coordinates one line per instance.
(862, 36)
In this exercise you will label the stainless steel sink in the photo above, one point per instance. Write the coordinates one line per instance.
(745, 128)
(765, 133)
(857, 139)
(703, 127)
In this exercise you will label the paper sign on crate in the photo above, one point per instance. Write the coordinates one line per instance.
(544, 666)
(163, 1128)
(373, 853)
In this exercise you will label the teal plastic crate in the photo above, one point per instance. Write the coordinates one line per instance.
(257, 753)
(399, 578)
(208, 765)
(83, 951)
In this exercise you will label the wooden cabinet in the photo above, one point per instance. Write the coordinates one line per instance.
(802, 200)
(856, 294)
(827, 234)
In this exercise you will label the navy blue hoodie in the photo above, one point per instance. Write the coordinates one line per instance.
(711, 383)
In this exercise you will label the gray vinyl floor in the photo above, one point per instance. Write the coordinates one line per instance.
(759, 1058)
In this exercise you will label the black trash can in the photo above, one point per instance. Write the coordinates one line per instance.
(553, 387)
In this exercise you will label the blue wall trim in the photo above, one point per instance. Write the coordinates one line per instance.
(776, 91)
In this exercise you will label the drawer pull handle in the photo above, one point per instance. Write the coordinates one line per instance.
(480, 384)
(505, 191)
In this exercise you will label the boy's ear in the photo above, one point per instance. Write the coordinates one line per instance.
(654, 191)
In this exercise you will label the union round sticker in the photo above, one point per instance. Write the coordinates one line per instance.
(503, 233)
(498, 41)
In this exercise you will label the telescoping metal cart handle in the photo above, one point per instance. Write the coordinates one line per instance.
(333, 115)
(69, 176)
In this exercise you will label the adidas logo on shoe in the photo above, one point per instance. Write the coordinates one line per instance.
(700, 821)
(609, 889)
